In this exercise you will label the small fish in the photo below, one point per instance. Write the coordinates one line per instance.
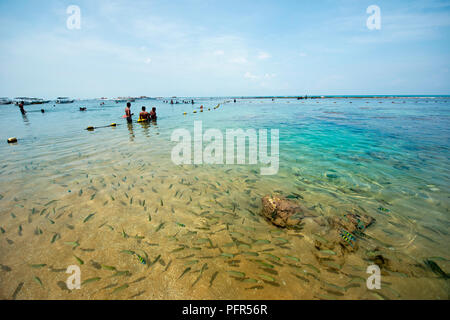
(55, 237)
(266, 277)
(16, 292)
(88, 217)
(72, 243)
(213, 277)
(79, 260)
(328, 252)
(261, 241)
(160, 226)
(436, 269)
(141, 259)
(111, 268)
(38, 266)
(120, 288)
(128, 252)
(237, 274)
(184, 272)
(90, 280)
(384, 210)
(293, 258)
(180, 224)
(37, 280)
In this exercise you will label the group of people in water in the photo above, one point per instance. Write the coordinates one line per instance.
(143, 115)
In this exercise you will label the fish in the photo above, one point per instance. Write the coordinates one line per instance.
(156, 260)
(16, 292)
(55, 237)
(168, 265)
(106, 267)
(141, 259)
(213, 277)
(266, 277)
(436, 269)
(5, 268)
(293, 258)
(272, 256)
(237, 274)
(38, 266)
(90, 280)
(180, 224)
(128, 252)
(79, 260)
(121, 273)
(160, 226)
(88, 217)
(73, 243)
(122, 287)
(37, 280)
(328, 252)
(264, 264)
(184, 272)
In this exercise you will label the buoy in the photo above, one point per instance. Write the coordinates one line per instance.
(185, 113)
(113, 124)
(209, 109)
(201, 110)
(12, 140)
(90, 128)
(195, 111)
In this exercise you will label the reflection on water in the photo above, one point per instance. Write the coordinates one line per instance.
(111, 199)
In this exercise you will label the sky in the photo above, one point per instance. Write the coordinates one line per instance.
(223, 48)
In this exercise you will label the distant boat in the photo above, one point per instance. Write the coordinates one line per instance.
(27, 101)
(5, 100)
(62, 100)
(124, 99)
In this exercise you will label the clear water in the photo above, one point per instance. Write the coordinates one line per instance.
(338, 154)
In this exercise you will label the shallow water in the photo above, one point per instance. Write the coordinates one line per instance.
(336, 156)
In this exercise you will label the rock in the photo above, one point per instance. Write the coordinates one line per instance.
(353, 222)
(281, 212)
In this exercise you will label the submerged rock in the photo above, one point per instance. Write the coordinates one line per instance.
(281, 211)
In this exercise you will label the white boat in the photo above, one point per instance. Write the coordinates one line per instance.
(5, 100)
(61, 100)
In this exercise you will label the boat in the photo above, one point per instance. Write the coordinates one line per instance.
(27, 101)
(61, 100)
(4, 100)
(124, 99)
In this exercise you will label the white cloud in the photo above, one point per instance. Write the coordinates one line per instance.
(219, 53)
(148, 60)
(263, 56)
(239, 60)
(251, 76)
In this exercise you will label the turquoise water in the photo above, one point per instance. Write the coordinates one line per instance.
(337, 153)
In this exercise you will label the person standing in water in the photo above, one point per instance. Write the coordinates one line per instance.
(144, 115)
(128, 112)
(21, 108)
(153, 114)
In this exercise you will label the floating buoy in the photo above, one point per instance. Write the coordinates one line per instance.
(209, 109)
(90, 128)
(195, 111)
(185, 113)
(201, 110)
(12, 140)
(113, 124)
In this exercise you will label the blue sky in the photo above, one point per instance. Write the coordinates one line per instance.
(223, 48)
